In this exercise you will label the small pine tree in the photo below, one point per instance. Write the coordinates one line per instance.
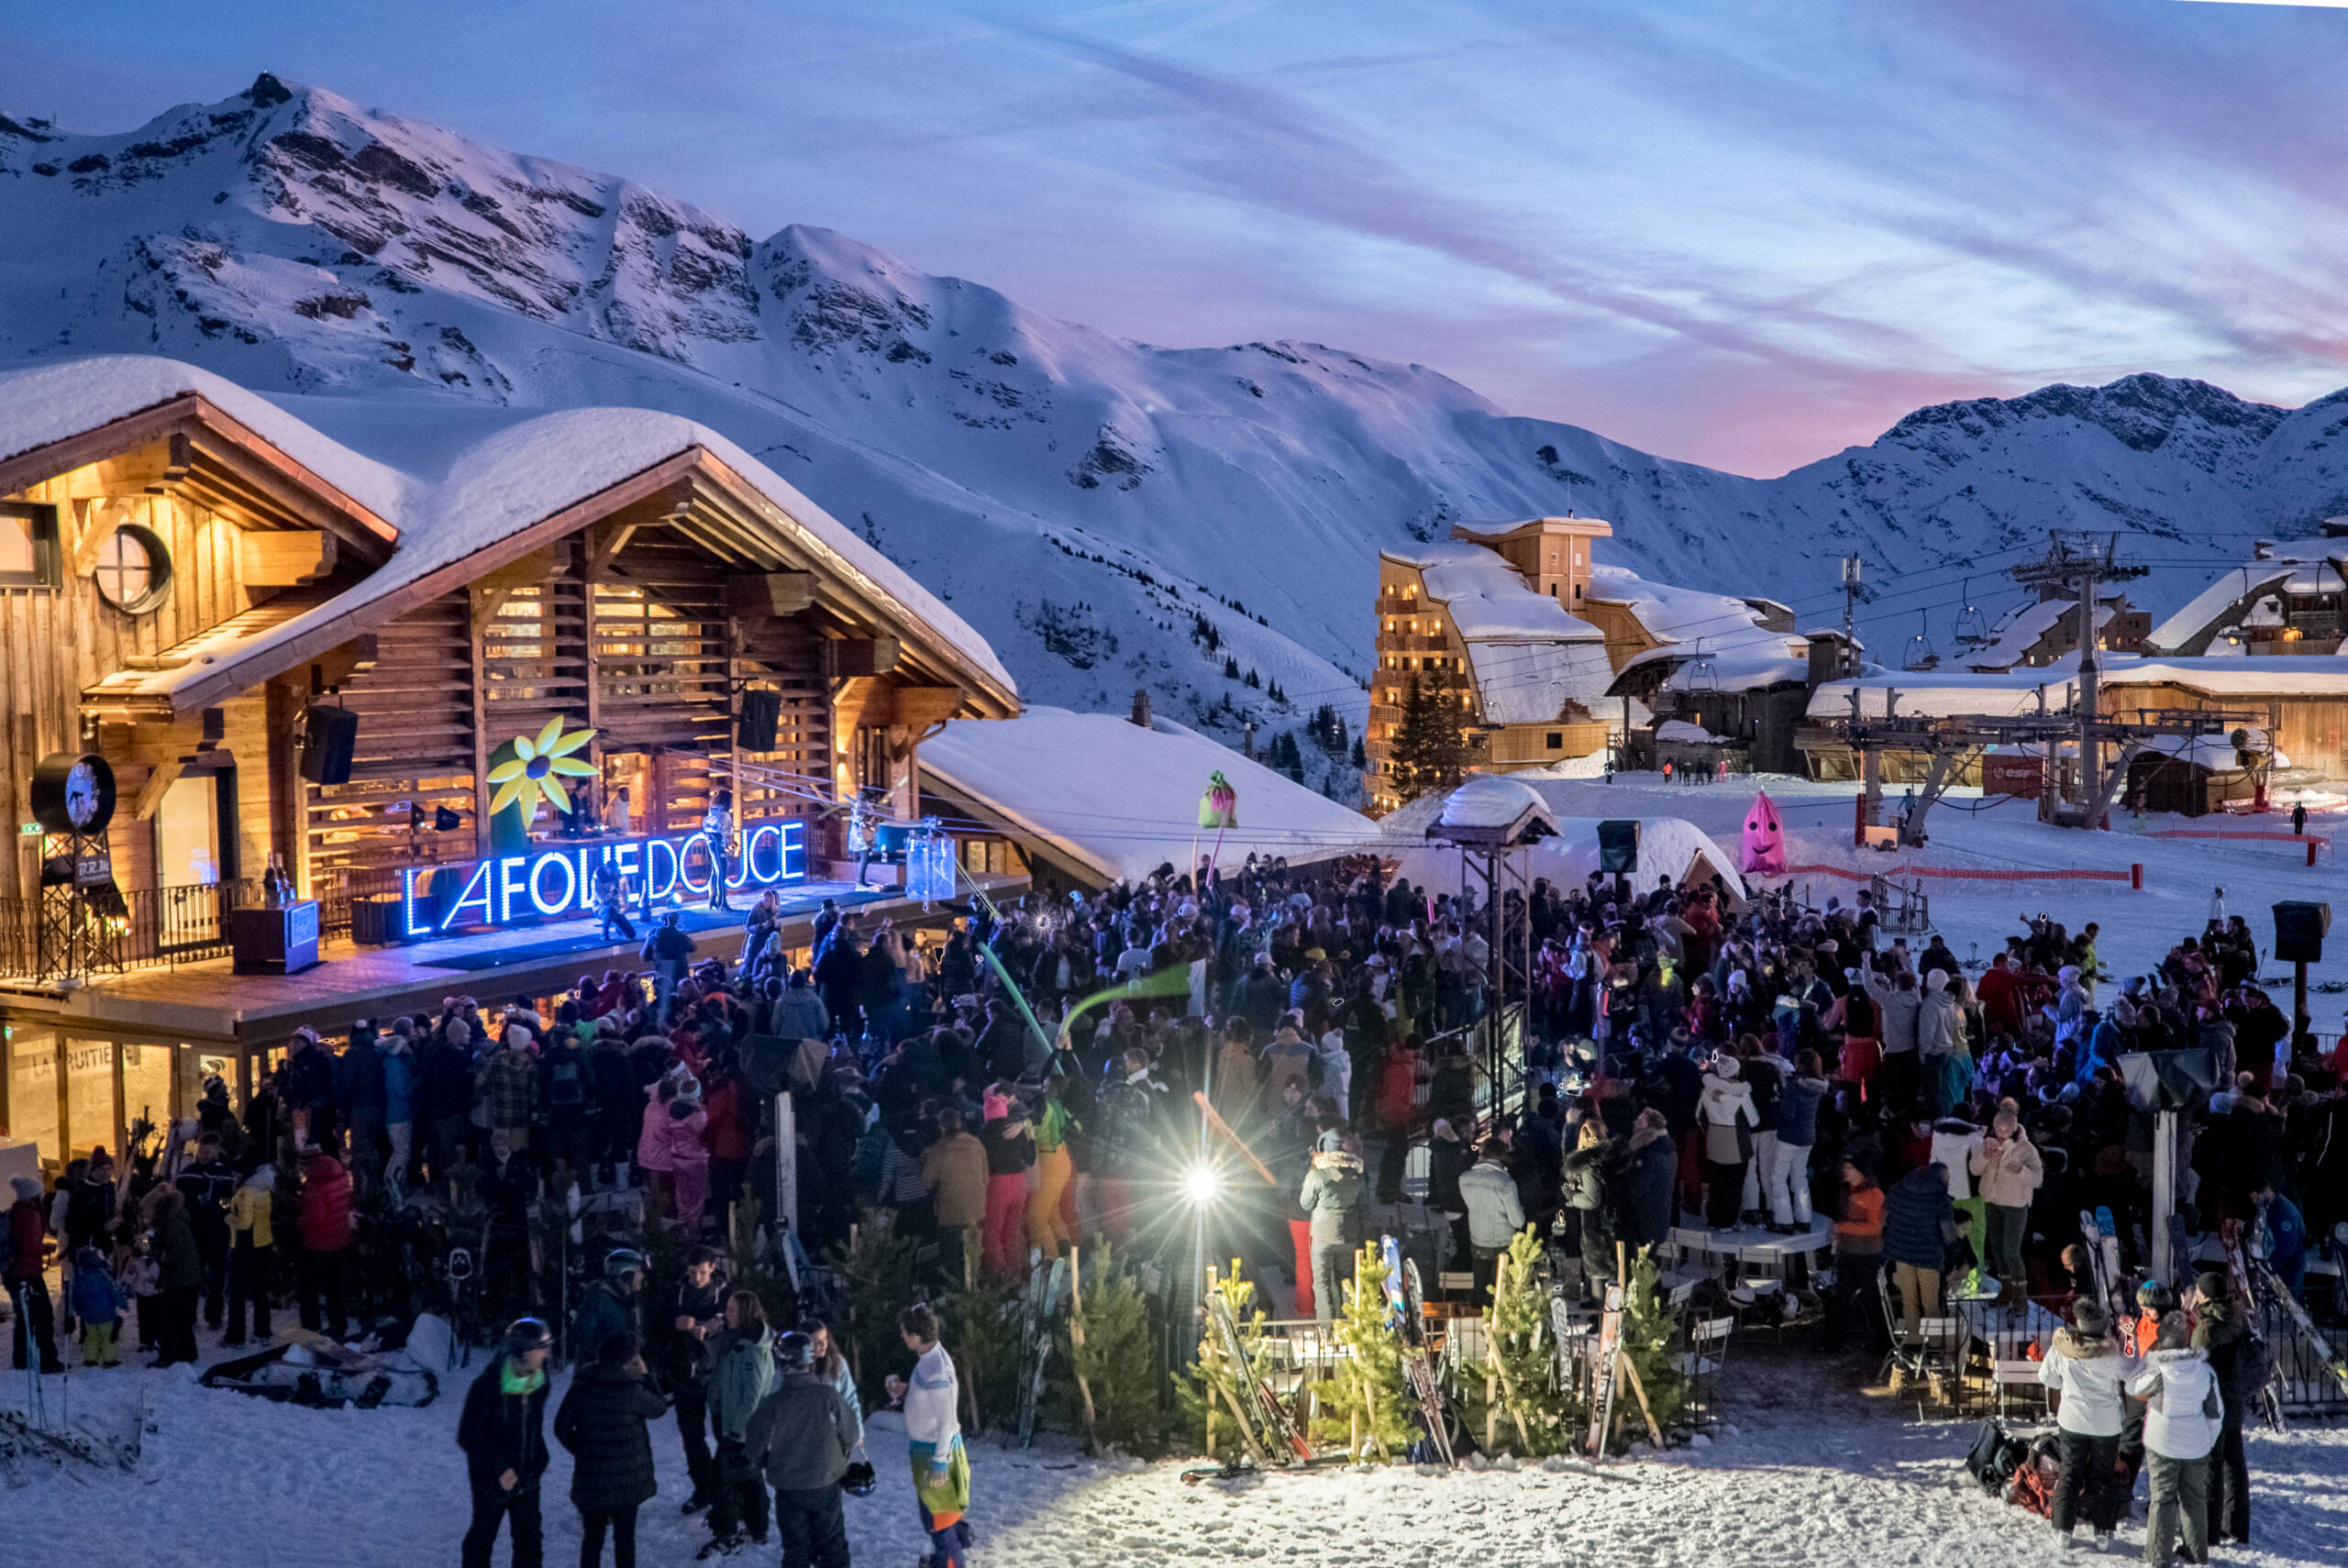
(1647, 1329)
(1116, 1361)
(1529, 1419)
(1255, 680)
(1230, 668)
(878, 1270)
(981, 1327)
(1361, 757)
(1368, 1403)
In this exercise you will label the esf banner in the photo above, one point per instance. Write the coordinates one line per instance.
(551, 883)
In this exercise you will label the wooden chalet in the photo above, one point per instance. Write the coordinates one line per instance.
(231, 609)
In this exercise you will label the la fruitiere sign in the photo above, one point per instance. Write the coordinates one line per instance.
(551, 883)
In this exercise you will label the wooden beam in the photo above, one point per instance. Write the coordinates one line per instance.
(770, 595)
(159, 778)
(284, 558)
(919, 707)
(845, 656)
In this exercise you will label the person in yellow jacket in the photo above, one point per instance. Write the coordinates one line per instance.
(253, 1243)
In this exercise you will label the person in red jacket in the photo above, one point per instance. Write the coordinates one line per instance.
(727, 1135)
(29, 1243)
(1999, 989)
(325, 1231)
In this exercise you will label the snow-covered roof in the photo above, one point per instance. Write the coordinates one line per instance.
(1939, 694)
(2019, 630)
(1674, 615)
(1529, 683)
(1487, 598)
(1748, 671)
(1101, 791)
(2200, 614)
(1491, 802)
(1691, 734)
(2215, 753)
(2256, 675)
(466, 483)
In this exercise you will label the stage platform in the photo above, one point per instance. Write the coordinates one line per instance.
(204, 1002)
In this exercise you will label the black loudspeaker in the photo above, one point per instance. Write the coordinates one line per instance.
(761, 716)
(2300, 930)
(1617, 847)
(330, 736)
(2168, 1080)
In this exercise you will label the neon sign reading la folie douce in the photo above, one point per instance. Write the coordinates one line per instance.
(542, 884)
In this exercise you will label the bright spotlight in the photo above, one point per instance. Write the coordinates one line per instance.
(1200, 1184)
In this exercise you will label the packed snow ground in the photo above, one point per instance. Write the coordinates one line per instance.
(1805, 1472)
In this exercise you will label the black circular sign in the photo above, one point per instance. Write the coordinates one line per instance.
(72, 792)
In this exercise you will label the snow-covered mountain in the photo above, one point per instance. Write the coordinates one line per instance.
(1112, 514)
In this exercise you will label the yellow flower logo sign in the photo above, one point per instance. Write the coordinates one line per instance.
(537, 769)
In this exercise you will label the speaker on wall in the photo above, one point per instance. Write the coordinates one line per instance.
(328, 737)
(761, 716)
(1617, 847)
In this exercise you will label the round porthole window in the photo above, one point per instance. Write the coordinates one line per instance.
(134, 569)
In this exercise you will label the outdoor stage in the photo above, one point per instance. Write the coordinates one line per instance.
(205, 1003)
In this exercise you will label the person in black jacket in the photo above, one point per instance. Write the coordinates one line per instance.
(603, 1422)
(502, 1433)
(2222, 1335)
(1650, 1172)
(692, 1319)
(209, 1181)
(800, 1436)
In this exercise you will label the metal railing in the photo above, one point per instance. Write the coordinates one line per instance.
(156, 927)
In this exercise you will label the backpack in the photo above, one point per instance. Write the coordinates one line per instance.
(563, 1085)
(2035, 1476)
(1994, 1458)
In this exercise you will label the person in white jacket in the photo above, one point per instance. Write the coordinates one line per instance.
(1957, 1147)
(2085, 1365)
(1495, 1211)
(1725, 1119)
(2010, 1172)
(932, 1403)
(2183, 1416)
(1897, 1003)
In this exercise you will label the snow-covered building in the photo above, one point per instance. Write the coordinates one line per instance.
(1090, 799)
(1518, 628)
(2287, 599)
(427, 670)
(2036, 633)
(1669, 847)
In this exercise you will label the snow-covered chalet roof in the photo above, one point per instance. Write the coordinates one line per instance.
(2019, 630)
(1674, 615)
(1103, 794)
(455, 484)
(1487, 598)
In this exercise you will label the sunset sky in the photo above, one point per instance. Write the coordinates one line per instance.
(1745, 234)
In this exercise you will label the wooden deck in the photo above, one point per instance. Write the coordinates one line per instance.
(204, 1002)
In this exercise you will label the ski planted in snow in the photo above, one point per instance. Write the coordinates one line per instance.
(1602, 1376)
(2235, 1245)
(1406, 1315)
(2114, 1287)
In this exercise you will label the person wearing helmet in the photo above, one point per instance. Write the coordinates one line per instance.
(502, 1434)
(611, 1305)
(801, 1437)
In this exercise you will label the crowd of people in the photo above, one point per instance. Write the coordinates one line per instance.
(1036, 1077)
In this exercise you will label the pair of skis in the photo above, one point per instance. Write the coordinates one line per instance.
(2235, 1245)
(2101, 1238)
(1039, 1303)
(1406, 1313)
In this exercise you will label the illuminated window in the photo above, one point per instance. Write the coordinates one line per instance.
(133, 571)
(27, 546)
